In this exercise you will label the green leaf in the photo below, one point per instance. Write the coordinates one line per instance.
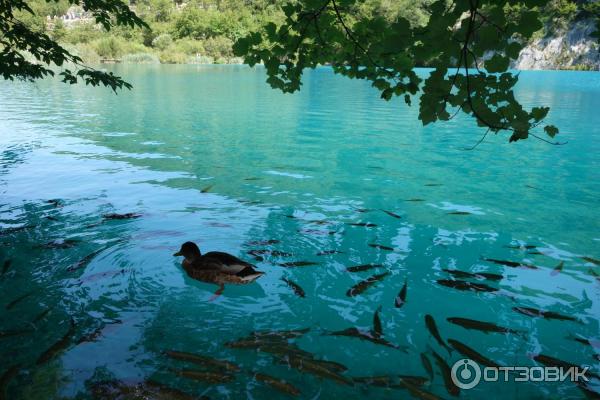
(551, 130)
(497, 64)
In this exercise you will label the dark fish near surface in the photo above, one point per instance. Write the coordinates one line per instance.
(206, 189)
(381, 381)
(512, 264)
(365, 224)
(472, 354)
(418, 392)
(84, 261)
(401, 298)
(433, 184)
(589, 342)
(5, 379)
(391, 214)
(298, 264)
(459, 213)
(121, 216)
(275, 253)
(532, 312)
(169, 392)
(464, 285)
(363, 267)
(362, 210)
(311, 367)
(415, 200)
(451, 388)
(591, 260)
(518, 247)
(209, 377)
(41, 315)
(297, 289)
(476, 275)
(328, 252)
(278, 384)
(364, 285)
(356, 333)
(427, 365)
(377, 328)
(555, 362)
(18, 300)
(280, 334)
(202, 360)
(57, 347)
(316, 232)
(262, 242)
(382, 247)
(6, 266)
(557, 269)
(481, 325)
(252, 178)
(432, 328)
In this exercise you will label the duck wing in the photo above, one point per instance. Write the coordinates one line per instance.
(226, 263)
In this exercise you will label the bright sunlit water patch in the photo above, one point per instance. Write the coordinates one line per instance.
(331, 175)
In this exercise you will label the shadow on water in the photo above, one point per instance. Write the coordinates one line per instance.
(90, 305)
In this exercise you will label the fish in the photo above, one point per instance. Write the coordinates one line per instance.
(433, 329)
(557, 269)
(202, 360)
(587, 391)
(328, 252)
(209, 377)
(377, 328)
(291, 334)
(285, 350)
(331, 365)
(318, 222)
(532, 312)
(476, 275)
(401, 298)
(482, 326)
(98, 332)
(252, 178)
(363, 267)
(15, 332)
(367, 336)
(364, 285)
(6, 266)
(54, 202)
(5, 379)
(427, 365)
(84, 261)
(315, 369)
(433, 184)
(41, 315)
(472, 354)
(418, 392)
(275, 253)
(316, 232)
(589, 342)
(464, 285)
(512, 264)
(362, 210)
(121, 216)
(278, 384)
(298, 264)
(206, 189)
(168, 392)
(415, 200)
(60, 244)
(591, 260)
(415, 380)
(381, 381)
(391, 214)
(459, 213)
(555, 362)
(382, 247)
(18, 300)
(51, 218)
(263, 242)
(365, 224)
(518, 247)
(59, 346)
(451, 388)
(295, 287)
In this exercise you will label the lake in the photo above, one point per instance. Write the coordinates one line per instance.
(213, 155)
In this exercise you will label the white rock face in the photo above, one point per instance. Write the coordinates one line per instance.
(573, 48)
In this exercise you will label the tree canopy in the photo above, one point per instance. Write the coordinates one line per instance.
(469, 44)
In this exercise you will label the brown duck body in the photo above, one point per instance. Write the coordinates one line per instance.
(220, 268)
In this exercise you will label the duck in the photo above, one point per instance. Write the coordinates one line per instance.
(216, 267)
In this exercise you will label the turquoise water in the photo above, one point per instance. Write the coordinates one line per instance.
(333, 152)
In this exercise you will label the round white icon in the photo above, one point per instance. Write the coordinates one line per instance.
(465, 373)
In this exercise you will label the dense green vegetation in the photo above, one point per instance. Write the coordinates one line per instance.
(203, 31)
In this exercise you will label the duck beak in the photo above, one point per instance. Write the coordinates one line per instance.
(177, 254)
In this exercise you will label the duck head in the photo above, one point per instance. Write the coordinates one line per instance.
(189, 250)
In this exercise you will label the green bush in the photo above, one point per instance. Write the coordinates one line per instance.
(162, 42)
(141, 58)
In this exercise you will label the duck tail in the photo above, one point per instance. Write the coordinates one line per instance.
(249, 274)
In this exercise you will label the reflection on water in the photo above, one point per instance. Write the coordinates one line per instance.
(306, 187)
